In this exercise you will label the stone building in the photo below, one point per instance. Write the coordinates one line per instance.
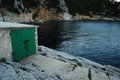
(17, 41)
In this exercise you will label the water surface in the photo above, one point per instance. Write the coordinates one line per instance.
(96, 40)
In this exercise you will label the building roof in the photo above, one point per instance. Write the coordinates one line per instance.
(15, 25)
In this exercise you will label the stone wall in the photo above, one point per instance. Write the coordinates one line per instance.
(5, 44)
(36, 40)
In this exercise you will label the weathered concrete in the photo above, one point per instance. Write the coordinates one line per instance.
(5, 44)
(69, 71)
(55, 65)
(5, 38)
(36, 39)
(6, 25)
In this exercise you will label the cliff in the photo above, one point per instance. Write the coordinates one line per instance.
(40, 10)
(33, 10)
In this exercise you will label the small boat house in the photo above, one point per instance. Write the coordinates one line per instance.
(17, 41)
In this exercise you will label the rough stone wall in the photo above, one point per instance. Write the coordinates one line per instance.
(36, 40)
(5, 44)
(33, 10)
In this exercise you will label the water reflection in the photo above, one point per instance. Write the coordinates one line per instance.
(95, 40)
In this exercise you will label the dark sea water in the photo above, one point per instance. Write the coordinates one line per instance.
(98, 41)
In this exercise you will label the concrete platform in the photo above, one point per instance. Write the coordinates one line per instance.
(67, 71)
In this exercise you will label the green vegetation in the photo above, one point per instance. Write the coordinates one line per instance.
(89, 75)
(104, 69)
(23, 68)
(84, 6)
(76, 61)
(44, 54)
(100, 7)
(58, 76)
(107, 74)
(74, 67)
(53, 4)
(94, 66)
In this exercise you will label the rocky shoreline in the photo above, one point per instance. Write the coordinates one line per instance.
(49, 64)
(43, 10)
(49, 15)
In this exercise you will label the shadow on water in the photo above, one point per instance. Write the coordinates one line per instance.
(49, 34)
(95, 40)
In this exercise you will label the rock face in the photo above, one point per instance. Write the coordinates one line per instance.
(5, 44)
(26, 71)
(37, 10)
(33, 10)
(49, 64)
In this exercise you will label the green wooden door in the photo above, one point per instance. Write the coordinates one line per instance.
(23, 43)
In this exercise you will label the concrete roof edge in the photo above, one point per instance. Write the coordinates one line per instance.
(15, 25)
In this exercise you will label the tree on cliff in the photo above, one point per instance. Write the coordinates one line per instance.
(84, 6)
(101, 7)
(111, 8)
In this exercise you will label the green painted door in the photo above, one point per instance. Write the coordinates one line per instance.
(23, 43)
